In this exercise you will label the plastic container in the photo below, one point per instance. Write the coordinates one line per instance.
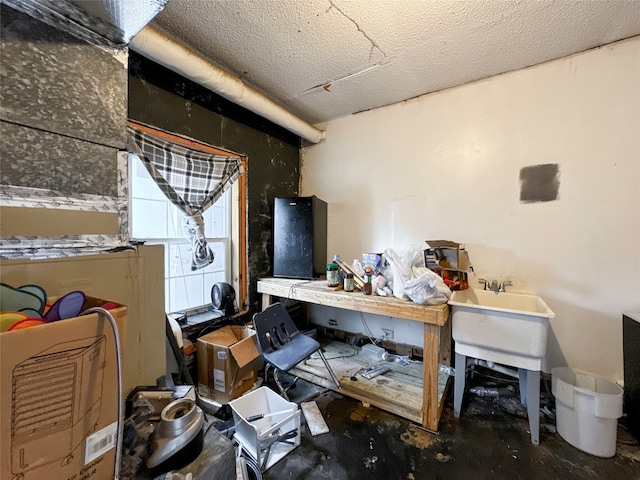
(356, 266)
(349, 283)
(333, 275)
(373, 351)
(587, 410)
(484, 391)
(278, 418)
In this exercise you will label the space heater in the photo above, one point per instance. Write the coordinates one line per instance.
(223, 298)
(57, 390)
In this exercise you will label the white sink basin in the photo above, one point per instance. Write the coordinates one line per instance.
(507, 328)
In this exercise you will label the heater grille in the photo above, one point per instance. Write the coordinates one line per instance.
(42, 399)
(47, 389)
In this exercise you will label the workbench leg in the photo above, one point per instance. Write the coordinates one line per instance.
(430, 405)
(266, 301)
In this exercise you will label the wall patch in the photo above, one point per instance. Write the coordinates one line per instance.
(539, 183)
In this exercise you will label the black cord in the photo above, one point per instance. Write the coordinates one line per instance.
(278, 439)
(227, 432)
(252, 464)
(492, 377)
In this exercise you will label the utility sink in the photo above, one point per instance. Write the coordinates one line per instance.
(502, 327)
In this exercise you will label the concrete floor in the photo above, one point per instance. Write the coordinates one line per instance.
(489, 441)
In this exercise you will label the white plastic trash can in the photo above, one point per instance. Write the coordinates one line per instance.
(587, 410)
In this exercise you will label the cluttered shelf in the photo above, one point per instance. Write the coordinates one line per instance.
(317, 291)
(422, 398)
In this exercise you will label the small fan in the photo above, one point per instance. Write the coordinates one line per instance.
(223, 298)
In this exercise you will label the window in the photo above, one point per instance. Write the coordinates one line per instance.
(155, 220)
(174, 178)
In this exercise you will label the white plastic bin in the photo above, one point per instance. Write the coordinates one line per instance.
(257, 437)
(587, 410)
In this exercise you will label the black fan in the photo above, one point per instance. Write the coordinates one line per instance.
(223, 298)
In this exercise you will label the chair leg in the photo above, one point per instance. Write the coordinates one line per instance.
(267, 365)
(326, 364)
(283, 391)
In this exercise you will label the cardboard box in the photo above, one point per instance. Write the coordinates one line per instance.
(449, 260)
(227, 363)
(59, 415)
(446, 254)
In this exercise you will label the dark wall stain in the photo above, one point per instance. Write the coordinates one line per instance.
(539, 183)
(164, 99)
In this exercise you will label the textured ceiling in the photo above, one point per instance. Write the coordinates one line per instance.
(324, 59)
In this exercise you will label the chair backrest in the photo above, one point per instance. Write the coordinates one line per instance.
(274, 328)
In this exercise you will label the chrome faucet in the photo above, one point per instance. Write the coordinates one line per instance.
(493, 286)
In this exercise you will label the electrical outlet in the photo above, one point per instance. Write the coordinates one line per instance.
(333, 322)
(388, 333)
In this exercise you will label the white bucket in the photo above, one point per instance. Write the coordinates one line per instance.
(587, 410)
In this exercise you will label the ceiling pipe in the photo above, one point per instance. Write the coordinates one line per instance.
(161, 49)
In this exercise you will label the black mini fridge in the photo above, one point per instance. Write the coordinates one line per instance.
(299, 237)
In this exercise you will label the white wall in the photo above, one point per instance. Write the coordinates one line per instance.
(447, 165)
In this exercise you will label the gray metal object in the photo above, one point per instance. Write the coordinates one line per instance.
(494, 286)
(181, 421)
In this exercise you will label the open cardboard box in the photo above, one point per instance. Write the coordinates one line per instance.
(227, 363)
(446, 254)
(449, 260)
(59, 398)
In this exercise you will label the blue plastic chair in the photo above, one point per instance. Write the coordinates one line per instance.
(282, 345)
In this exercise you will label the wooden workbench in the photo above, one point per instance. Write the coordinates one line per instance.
(396, 394)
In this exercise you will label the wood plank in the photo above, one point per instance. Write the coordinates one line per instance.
(317, 291)
(430, 358)
(315, 421)
(384, 403)
(398, 391)
(445, 345)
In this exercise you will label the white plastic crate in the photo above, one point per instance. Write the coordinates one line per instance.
(259, 437)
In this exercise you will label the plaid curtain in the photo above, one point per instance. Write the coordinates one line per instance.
(192, 180)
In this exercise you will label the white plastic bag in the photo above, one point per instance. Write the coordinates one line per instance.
(402, 268)
(427, 289)
(413, 281)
